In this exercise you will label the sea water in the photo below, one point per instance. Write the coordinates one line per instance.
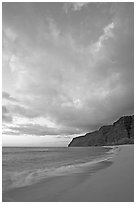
(26, 166)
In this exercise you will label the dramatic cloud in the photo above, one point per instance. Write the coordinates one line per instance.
(73, 70)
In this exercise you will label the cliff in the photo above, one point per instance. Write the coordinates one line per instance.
(120, 132)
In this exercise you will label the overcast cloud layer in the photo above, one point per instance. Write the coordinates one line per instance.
(67, 67)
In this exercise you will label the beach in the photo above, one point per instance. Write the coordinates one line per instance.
(111, 181)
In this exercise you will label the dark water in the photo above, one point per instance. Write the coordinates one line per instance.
(25, 166)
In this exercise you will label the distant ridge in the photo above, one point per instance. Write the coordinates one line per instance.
(120, 132)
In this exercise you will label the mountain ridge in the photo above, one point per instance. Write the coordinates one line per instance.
(120, 132)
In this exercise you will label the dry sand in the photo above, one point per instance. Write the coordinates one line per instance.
(112, 181)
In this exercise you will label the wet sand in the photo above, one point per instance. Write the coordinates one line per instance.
(110, 181)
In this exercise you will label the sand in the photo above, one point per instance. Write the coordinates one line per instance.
(112, 181)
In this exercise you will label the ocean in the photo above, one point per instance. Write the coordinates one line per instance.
(27, 166)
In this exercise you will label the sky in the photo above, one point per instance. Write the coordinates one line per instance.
(67, 69)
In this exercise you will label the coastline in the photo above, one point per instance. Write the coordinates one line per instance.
(111, 181)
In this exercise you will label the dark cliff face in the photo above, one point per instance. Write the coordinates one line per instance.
(121, 132)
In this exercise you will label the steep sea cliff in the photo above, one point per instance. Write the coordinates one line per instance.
(120, 132)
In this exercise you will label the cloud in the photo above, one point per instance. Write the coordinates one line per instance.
(4, 110)
(6, 116)
(10, 34)
(58, 77)
(7, 96)
(75, 6)
(79, 5)
(41, 131)
(107, 34)
(23, 111)
(20, 127)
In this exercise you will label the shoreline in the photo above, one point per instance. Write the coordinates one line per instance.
(110, 181)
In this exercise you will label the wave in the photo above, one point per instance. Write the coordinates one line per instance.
(24, 150)
(29, 177)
